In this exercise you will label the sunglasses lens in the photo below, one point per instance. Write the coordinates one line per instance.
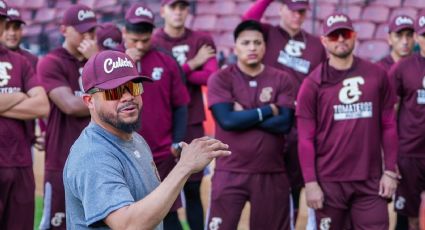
(346, 34)
(134, 89)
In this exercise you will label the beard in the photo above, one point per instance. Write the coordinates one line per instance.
(344, 54)
(118, 123)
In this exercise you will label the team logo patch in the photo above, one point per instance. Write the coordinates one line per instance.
(141, 11)
(421, 94)
(336, 19)
(157, 73)
(4, 75)
(348, 95)
(290, 57)
(400, 203)
(325, 223)
(215, 223)
(85, 14)
(57, 219)
(179, 53)
(266, 94)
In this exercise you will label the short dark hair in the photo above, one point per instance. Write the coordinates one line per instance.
(139, 28)
(248, 25)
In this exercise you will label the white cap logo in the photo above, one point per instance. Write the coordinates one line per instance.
(13, 12)
(109, 42)
(299, 1)
(335, 19)
(141, 11)
(422, 21)
(403, 21)
(85, 14)
(2, 4)
(109, 65)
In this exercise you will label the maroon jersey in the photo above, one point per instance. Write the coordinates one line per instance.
(56, 69)
(16, 75)
(386, 63)
(253, 150)
(298, 56)
(348, 109)
(408, 77)
(183, 49)
(29, 56)
(159, 98)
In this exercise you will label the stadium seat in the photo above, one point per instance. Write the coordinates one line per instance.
(365, 30)
(89, 3)
(204, 22)
(33, 30)
(388, 3)
(242, 7)
(373, 50)
(34, 4)
(314, 27)
(107, 6)
(16, 3)
(412, 12)
(323, 11)
(377, 14)
(419, 4)
(381, 31)
(335, 2)
(26, 15)
(273, 10)
(203, 8)
(227, 23)
(45, 15)
(225, 40)
(353, 11)
(224, 7)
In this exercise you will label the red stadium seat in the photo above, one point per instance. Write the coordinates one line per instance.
(205, 22)
(273, 10)
(365, 30)
(64, 4)
(314, 27)
(388, 3)
(226, 40)
(353, 11)
(224, 8)
(373, 50)
(227, 23)
(242, 7)
(16, 3)
(203, 8)
(382, 31)
(412, 12)
(45, 15)
(102, 4)
(376, 14)
(419, 4)
(323, 11)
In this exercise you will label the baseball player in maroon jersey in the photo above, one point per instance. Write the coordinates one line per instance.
(400, 38)
(60, 73)
(108, 36)
(409, 82)
(252, 105)
(165, 100)
(345, 116)
(297, 52)
(21, 99)
(195, 52)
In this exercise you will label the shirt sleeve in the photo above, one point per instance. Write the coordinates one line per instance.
(49, 74)
(219, 89)
(179, 94)
(100, 187)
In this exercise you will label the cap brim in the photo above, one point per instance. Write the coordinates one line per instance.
(400, 28)
(16, 20)
(174, 2)
(85, 27)
(140, 20)
(119, 81)
(347, 27)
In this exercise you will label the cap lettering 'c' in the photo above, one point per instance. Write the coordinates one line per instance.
(140, 11)
(109, 65)
(13, 12)
(2, 4)
(109, 42)
(403, 20)
(335, 19)
(85, 14)
(422, 21)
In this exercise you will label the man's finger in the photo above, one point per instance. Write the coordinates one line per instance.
(219, 153)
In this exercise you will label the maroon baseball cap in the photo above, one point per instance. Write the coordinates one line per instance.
(109, 69)
(171, 2)
(335, 22)
(81, 17)
(295, 5)
(3, 9)
(14, 15)
(108, 36)
(401, 22)
(420, 23)
(138, 13)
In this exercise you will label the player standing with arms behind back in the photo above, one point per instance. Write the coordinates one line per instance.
(195, 52)
(345, 116)
(408, 77)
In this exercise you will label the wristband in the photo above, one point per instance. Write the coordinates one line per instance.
(260, 114)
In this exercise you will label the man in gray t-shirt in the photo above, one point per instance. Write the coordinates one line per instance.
(110, 178)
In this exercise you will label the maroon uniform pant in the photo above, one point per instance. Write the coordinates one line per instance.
(54, 201)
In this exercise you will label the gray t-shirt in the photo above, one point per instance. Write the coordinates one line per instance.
(104, 173)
